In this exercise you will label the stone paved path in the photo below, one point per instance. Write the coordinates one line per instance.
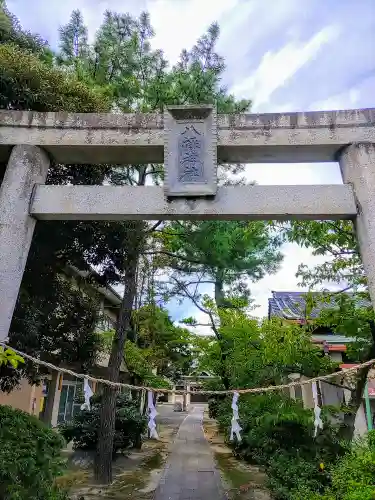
(190, 473)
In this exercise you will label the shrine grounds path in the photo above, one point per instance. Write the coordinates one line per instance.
(190, 472)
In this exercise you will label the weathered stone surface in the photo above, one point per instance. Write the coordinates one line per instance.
(27, 165)
(230, 203)
(139, 138)
(357, 163)
(190, 473)
(177, 406)
(190, 151)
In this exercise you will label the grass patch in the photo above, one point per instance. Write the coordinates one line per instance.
(155, 461)
(244, 482)
(235, 476)
(71, 479)
(128, 484)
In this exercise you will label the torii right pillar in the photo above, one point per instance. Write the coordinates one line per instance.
(357, 164)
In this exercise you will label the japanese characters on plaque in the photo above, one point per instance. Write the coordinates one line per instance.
(190, 151)
(191, 156)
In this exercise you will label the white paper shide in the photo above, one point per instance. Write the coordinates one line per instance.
(87, 391)
(235, 429)
(151, 416)
(318, 422)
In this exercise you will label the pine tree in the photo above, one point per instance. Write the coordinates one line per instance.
(74, 40)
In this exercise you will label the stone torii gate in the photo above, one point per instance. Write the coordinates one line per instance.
(190, 140)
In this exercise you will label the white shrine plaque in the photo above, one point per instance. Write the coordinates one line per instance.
(190, 151)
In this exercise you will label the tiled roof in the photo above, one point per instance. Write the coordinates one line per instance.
(291, 306)
(332, 339)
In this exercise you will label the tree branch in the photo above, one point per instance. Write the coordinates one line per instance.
(195, 324)
(173, 256)
(156, 225)
(201, 308)
(329, 382)
(199, 282)
(154, 172)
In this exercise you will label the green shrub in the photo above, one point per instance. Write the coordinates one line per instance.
(353, 476)
(129, 425)
(277, 432)
(30, 458)
(288, 472)
(213, 407)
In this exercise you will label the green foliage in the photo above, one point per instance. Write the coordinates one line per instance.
(73, 39)
(57, 327)
(196, 77)
(277, 432)
(260, 353)
(28, 83)
(12, 367)
(288, 473)
(352, 477)
(11, 32)
(129, 425)
(348, 312)
(167, 346)
(8, 356)
(336, 240)
(224, 254)
(138, 362)
(155, 343)
(264, 354)
(30, 457)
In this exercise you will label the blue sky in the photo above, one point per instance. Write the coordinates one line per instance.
(286, 55)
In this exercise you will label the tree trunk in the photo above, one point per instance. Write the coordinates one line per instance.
(220, 304)
(219, 294)
(223, 373)
(347, 426)
(104, 453)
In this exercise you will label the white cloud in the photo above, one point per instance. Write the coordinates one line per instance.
(179, 23)
(285, 280)
(203, 321)
(278, 66)
(293, 173)
(355, 97)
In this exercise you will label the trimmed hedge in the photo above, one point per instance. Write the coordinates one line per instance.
(30, 457)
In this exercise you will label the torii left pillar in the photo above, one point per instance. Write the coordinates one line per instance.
(27, 166)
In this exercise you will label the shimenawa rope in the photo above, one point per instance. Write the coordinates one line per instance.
(255, 390)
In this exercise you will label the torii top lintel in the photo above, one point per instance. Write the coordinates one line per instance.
(91, 138)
